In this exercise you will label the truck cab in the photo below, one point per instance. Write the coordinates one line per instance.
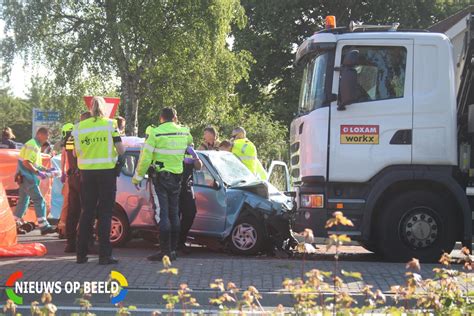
(383, 134)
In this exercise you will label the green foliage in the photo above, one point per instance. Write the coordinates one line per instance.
(165, 53)
(15, 113)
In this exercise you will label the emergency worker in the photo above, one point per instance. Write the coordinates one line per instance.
(70, 174)
(187, 205)
(165, 146)
(244, 149)
(30, 170)
(97, 145)
(211, 139)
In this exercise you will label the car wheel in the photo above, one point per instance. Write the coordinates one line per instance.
(416, 224)
(120, 232)
(247, 236)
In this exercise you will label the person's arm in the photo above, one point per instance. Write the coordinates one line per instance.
(146, 156)
(120, 148)
(30, 166)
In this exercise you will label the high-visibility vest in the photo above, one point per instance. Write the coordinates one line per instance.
(165, 146)
(31, 151)
(94, 144)
(247, 153)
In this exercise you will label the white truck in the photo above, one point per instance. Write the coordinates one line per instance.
(385, 134)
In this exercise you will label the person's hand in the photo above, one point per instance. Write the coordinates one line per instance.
(63, 177)
(137, 183)
(42, 175)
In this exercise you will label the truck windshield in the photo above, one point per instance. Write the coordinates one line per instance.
(316, 83)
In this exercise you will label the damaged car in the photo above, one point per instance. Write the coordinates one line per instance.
(235, 209)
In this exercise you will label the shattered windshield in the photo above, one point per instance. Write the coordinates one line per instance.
(231, 170)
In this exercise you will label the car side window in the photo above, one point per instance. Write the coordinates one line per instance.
(380, 71)
(203, 177)
(130, 164)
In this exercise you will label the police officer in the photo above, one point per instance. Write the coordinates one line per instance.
(30, 169)
(70, 174)
(97, 145)
(165, 146)
(187, 205)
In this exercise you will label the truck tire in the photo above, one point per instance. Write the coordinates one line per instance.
(417, 224)
(247, 236)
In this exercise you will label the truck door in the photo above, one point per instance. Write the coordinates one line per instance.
(374, 130)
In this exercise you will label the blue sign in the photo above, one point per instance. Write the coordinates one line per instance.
(47, 116)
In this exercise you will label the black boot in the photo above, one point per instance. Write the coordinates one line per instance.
(164, 249)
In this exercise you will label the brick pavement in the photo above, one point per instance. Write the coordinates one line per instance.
(200, 268)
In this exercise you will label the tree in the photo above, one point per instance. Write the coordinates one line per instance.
(139, 41)
(275, 29)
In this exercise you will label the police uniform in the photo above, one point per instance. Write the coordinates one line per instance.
(165, 146)
(73, 179)
(94, 140)
(247, 153)
(29, 187)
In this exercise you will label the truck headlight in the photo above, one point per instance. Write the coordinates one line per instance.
(312, 200)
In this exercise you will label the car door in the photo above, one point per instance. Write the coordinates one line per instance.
(136, 203)
(374, 130)
(210, 199)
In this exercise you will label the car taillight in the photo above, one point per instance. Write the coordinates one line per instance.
(312, 200)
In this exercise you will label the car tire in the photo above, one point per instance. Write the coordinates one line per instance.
(417, 224)
(120, 232)
(247, 237)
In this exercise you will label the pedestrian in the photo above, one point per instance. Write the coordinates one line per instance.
(70, 176)
(30, 170)
(225, 145)
(244, 149)
(187, 205)
(165, 146)
(121, 125)
(97, 144)
(211, 139)
(7, 139)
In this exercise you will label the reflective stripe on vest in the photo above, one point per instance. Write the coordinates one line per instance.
(169, 151)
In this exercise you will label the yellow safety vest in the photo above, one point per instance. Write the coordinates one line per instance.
(165, 146)
(31, 151)
(94, 145)
(247, 153)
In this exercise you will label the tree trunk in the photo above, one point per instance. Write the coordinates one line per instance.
(130, 101)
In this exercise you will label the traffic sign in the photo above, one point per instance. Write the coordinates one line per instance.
(111, 105)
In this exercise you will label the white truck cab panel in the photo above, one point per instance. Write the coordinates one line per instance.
(434, 111)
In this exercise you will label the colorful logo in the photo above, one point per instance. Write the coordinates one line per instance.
(122, 281)
(11, 287)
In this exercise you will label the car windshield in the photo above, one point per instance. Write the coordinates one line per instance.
(315, 82)
(232, 171)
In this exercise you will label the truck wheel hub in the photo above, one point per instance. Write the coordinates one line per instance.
(419, 228)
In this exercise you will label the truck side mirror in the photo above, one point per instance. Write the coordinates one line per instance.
(348, 87)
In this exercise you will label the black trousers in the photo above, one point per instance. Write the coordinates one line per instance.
(98, 189)
(73, 206)
(187, 212)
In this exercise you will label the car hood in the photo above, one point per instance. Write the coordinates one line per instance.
(266, 191)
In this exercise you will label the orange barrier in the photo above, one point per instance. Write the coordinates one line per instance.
(8, 166)
(8, 238)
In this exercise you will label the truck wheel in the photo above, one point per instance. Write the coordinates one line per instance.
(418, 224)
(120, 232)
(247, 236)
